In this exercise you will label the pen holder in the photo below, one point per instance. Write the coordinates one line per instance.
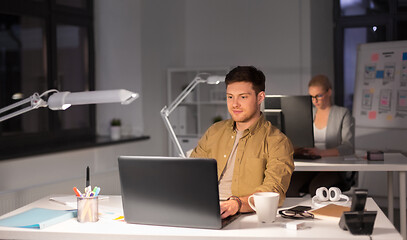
(88, 209)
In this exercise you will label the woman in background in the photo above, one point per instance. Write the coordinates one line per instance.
(333, 136)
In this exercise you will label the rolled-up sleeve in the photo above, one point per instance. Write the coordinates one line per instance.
(279, 167)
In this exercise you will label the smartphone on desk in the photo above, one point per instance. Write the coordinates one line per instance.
(299, 209)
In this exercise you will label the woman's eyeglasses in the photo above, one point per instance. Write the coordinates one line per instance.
(295, 214)
(318, 97)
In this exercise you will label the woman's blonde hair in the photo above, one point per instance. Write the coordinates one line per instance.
(320, 81)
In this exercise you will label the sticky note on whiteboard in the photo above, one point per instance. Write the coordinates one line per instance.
(374, 57)
(372, 115)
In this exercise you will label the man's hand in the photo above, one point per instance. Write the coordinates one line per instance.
(228, 208)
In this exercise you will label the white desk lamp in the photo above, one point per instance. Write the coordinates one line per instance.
(63, 100)
(166, 111)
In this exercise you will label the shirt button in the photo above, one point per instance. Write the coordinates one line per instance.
(224, 155)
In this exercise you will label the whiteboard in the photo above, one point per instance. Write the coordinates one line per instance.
(380, 97)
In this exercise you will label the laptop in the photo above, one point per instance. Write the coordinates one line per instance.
(171, 191)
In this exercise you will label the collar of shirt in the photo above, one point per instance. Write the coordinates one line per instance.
(252, 129)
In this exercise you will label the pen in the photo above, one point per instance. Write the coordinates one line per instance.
(77, 192)
(97, 191)
(88, 190)
(87, 177)
(94, 191)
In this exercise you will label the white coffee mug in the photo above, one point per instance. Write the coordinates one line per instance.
(265, 205)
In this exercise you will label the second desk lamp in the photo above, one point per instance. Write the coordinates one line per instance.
(166, 111)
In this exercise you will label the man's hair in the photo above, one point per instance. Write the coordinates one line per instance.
(320, 81)
(247, 74)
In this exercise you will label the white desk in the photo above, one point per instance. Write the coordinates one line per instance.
(246, 227)
(393, 162)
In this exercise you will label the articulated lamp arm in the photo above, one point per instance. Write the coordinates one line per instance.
(171, 132)
(166, 111)
(35, 101)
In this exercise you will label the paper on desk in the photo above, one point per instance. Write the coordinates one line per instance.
(110, 213)
(71, 200)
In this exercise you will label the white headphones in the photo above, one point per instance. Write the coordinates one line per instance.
(334, 194)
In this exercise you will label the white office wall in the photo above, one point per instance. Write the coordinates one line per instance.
(322, 35)
(163, 46)
(118, 62)
(263, 33)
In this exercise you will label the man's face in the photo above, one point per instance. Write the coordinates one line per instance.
(243, 103)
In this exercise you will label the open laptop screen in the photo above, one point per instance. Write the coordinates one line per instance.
(170, 191)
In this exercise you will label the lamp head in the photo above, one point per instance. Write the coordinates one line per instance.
(63, 100)
(215, 79)
(133, 96)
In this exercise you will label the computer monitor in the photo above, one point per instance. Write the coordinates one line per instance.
(293, 116)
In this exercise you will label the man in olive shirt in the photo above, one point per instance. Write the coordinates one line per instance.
(252, 155)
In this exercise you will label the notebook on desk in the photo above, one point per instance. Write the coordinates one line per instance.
(170, 191)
